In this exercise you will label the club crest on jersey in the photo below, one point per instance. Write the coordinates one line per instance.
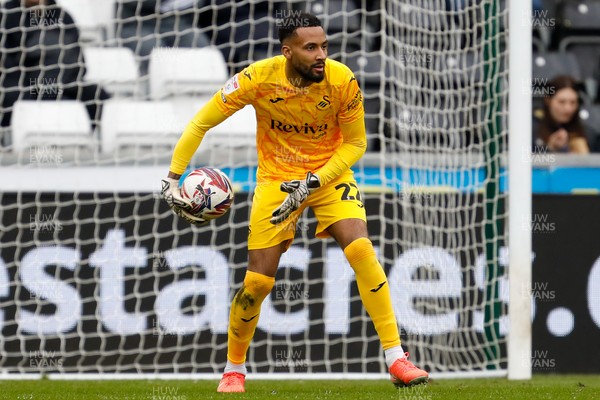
(323, 104)
(231, 85)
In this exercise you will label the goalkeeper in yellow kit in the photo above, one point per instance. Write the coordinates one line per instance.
(310, 131)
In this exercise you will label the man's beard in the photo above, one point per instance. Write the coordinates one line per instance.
(308, 75)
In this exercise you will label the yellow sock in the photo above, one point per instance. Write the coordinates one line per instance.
(244, 313)
(374, 290)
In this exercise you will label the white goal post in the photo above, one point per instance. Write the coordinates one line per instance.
(519, 166)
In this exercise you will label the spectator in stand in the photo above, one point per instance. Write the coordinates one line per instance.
(145, 24)
(40, 57)
(558, 127)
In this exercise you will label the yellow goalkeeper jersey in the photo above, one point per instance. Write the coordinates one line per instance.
(298, 129)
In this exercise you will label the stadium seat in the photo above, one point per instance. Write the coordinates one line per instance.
(239, 130)
(367, 68)
(538, 45)
(590, 116)
(341, 20)
(544, 21)
(185, 71)
(463, 70)
(127, 123)
(241, 39)
(579, 14)
(186, 107)
(337, 49)
(547, 66)
(440, 121)
(587, 51)
(93, 18)
(336, 15)
(51, 123)
(104, 10)
(114, 68)
(138, 124)
(377, 118)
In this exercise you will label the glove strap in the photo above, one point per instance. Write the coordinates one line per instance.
(312, 181)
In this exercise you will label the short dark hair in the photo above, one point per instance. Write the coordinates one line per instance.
(288, 26)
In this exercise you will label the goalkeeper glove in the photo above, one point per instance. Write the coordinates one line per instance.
(298, 191)
(182, 207)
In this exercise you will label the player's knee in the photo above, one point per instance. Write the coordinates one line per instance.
(358, 250)
(258, 285)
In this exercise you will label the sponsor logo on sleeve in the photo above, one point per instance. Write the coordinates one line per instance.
(356, 101)
(231, 85)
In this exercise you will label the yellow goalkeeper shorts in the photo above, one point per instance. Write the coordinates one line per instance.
(339, 199)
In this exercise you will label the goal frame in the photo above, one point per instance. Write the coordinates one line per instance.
(520, 192)
(519, 210)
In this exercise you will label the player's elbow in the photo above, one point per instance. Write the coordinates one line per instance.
(355, 136)
(363, 146)
(196, 128)
(360, 146)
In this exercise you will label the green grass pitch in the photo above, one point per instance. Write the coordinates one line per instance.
(551, 387)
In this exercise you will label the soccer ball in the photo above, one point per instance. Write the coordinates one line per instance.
(210, 192)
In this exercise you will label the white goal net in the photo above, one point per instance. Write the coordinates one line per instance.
(98, 276)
